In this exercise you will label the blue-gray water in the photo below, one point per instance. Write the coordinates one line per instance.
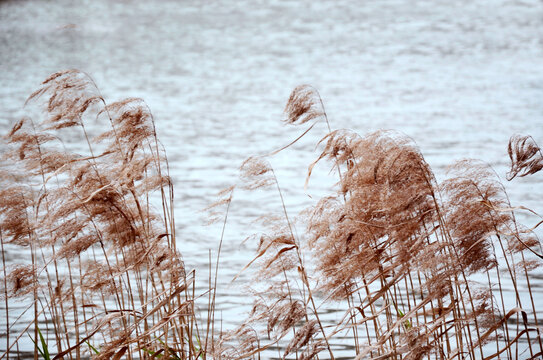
(459, 77)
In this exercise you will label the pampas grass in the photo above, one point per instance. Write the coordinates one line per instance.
(421, 269)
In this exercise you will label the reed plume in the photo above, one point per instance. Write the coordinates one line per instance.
(526, 157)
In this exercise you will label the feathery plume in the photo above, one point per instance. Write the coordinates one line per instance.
(526, 157)
(255, 173)
(303, 105)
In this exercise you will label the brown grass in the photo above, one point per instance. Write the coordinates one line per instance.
(104, 269)
(422, 269)
(406, 256)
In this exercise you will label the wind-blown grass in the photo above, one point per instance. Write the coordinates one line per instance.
(422, 268)
(104, 271)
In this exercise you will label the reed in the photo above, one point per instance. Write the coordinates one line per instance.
(104, 276)
(421, 269)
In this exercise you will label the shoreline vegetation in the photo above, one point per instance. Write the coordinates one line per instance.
(422, 268)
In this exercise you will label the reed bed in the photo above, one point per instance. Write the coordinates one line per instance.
(103, 273)
(421, 268)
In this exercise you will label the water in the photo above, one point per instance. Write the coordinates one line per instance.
(458, 77)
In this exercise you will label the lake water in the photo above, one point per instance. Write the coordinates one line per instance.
(459, 77)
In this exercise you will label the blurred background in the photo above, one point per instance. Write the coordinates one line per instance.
(458, 77)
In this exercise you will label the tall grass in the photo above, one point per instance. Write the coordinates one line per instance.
(422, 269)
(103, 271)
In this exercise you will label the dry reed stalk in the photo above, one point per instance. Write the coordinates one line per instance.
(6, 302)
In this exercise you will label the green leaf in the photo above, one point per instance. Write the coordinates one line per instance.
(93, 348)
(170, 350)
(406, 323)
(44, 350)
(155, 354)
(39, 350)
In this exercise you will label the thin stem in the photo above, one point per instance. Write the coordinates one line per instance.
(5, 290)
